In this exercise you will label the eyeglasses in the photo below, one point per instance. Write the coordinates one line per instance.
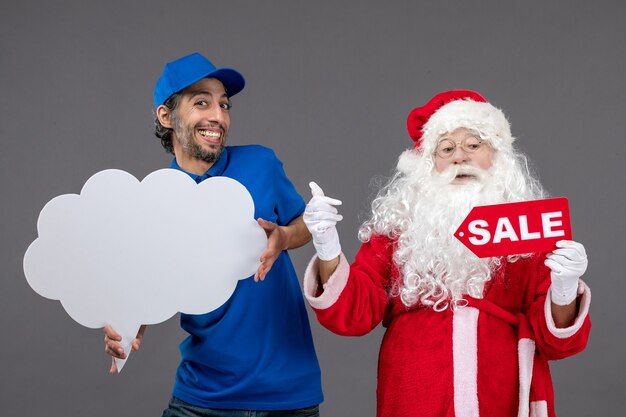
(447, 147)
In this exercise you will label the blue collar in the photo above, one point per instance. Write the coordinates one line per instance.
(217, 169)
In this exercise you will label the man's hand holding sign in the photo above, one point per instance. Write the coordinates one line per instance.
(527, 227)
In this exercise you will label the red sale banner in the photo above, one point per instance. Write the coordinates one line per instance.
(514, 228)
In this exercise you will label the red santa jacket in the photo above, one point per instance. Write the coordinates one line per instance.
(489, 358)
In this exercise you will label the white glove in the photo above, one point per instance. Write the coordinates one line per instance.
(320, 217)
(567, 264)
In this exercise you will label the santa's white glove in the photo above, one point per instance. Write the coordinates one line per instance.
(568, 262)
(320, 217)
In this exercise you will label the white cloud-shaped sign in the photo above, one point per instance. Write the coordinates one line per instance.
(128, 253)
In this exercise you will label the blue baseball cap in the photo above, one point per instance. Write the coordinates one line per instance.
(181, 73)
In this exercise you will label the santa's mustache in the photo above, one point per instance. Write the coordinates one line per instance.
(458, 171)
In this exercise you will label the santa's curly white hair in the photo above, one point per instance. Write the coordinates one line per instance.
(421, 209)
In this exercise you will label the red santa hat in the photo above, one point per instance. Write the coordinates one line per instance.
(450, 110)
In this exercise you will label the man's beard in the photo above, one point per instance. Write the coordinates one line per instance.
(184, 133)
(437, 269)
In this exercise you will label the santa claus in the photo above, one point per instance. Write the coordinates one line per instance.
(465, 336)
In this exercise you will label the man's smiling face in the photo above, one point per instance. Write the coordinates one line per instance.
(201, 120)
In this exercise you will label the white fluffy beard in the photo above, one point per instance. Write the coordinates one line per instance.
(422, 209)
(438, 269)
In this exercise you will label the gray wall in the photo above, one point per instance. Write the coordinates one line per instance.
(329, 86)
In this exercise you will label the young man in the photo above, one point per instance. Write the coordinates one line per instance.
(255, 353)
(465, 336)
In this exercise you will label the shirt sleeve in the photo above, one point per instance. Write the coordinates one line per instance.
(288, 203)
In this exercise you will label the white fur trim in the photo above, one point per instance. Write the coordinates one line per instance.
(332, 289)
(469, 114)
(525, 357)
(585, 301)
(539, 408)
(408, 161)
(465, 359)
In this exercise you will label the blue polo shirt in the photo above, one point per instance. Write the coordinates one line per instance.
(256, 351)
